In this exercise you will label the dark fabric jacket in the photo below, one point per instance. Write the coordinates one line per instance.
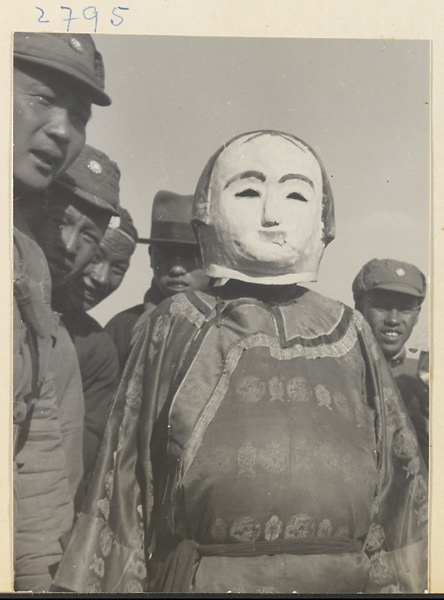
(120, 327)
(100, 371)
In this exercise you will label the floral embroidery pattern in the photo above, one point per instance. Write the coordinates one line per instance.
(422, 514)
(325, 528)
(245, 529)
(391, 589)
(299, 390)
(274, 458)
(405, 444)
(375, 538)
(395, 418)
(323, 396)
(138, 569)
(277, 390)
(98, 566)
(106, 541)
(413, 467)
(136, 537)
(342, 405)
(250, 389)
(300, 526)
(133, 399)
(218, 531)
(342, 532)
(381, 569)
(160, 328)
(247, 458)
(94, 587)
(103, 505)
(182, 306)
(248, 529)
(133, 587)
(273, 529)
(418, 489)
(109, 481)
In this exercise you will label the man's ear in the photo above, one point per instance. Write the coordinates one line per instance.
(417, 313)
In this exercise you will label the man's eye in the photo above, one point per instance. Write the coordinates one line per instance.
(91, 237)
(118, 270)
(45, 99)
(297, 196)
(249, 193)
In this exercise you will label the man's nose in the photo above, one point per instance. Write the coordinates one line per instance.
(392, 316)
(177, 270)
(69, 241)
(59, 124)
(271, 211)
(100, 274)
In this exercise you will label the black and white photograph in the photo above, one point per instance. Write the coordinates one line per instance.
(221, 314)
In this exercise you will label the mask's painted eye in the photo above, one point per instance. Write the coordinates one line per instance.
(248, 193)
(296, 196)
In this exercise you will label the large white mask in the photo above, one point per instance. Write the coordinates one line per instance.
(263, 210)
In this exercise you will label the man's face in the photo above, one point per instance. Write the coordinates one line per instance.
(50, 117)
(69, 233)
(392, 316)
(103, 275)
(267, 202)
(177, 268)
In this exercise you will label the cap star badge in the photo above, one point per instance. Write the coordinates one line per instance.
(74, 43)
(114, 222)
(400, 272)
(95, 167)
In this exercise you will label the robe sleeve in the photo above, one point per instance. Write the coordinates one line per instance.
(107, 551)
(397, 539)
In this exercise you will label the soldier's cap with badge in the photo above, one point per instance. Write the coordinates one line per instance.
(171, 220)
(73, 55)
(123, 224)
(391, 275)
(93, 177)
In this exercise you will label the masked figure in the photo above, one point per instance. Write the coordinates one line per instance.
(257, 443)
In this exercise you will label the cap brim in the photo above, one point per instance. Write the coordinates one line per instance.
(95, 201)
(398, 287)
(165, 241)
(98, 95)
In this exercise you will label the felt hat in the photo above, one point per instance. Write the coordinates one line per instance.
(171, 220)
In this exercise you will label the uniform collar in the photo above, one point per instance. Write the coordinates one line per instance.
(398, 359)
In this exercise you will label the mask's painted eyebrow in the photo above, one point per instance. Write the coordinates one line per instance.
(245, 175)
(295, 176)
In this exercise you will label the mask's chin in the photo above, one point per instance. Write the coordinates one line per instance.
(260, 263)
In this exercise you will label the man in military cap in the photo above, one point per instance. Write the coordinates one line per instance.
(69, 227)
(56, 79)
(175, 260)
(389, 294)
(95, 349)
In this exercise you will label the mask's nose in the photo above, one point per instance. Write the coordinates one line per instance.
(271, 211)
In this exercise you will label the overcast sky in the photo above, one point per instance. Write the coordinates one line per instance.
(362, 104)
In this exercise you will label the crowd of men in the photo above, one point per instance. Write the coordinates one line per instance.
(73, 242)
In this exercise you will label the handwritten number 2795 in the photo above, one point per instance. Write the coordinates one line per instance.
(89, 13)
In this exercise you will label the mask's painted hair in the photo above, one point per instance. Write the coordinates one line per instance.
(201, 206)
